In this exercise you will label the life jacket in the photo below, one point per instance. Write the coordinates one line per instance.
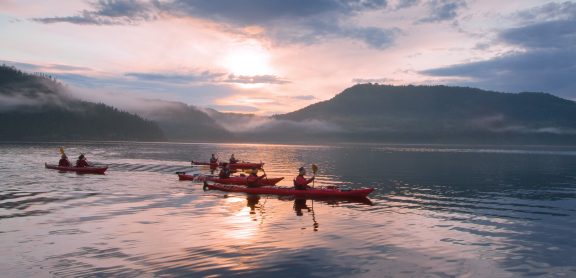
(300, 182)
(81, 163)
(224, 173)
(64, 162)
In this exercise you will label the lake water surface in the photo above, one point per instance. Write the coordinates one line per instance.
(437, 211)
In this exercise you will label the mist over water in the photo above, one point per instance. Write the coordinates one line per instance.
(436, 211)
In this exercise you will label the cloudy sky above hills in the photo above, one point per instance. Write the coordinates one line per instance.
(274, 56)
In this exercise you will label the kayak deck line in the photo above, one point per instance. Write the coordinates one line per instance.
(284, 190)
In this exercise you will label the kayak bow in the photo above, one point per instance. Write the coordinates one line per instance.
(230, 180)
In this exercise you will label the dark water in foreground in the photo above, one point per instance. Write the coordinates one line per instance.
(436, 212)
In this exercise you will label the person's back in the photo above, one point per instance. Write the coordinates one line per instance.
(224, 172)
(64, 162)
(233, 159)
(81, 162)
(213, 159)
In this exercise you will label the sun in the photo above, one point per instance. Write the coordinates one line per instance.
(248, 59)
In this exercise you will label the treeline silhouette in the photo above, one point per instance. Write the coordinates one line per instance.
(442, 114)
(34, 107)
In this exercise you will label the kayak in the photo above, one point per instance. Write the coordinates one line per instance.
(239, 165)
(83, 170)
(230, 180)
(278, 190)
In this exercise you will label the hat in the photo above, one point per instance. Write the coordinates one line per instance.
(301, 169)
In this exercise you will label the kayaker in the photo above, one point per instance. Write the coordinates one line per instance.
(213, 159)
(64, 162)
(233, 160)
(253, 178)
(300, 182)
(81, 162)
(225, 171)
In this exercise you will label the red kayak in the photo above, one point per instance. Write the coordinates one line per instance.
(83, 170)
(239, 165)
(277, 190)
(230, 180)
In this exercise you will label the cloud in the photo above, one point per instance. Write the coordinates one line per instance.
(383, 80)
(235, 108)
(262, 12)
(304, 97)
(545, 61)
(205, 76)
(550, 11)
(443, 10)
(110, 12)
(551, 34)
(255, 79)
(32, 90)
(44, 68)
(402, 4)
(250, 124)
(299, 21)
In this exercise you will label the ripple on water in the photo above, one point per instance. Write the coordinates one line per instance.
(449, 212)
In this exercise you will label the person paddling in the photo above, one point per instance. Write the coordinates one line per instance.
(225, 171)
(64, 162)
(253, 179)
(233, 159)
(300, 182)
(81, 162)
(213, 159)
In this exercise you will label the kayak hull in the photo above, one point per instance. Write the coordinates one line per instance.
(230, 180)
(82, 170)
(239, 165)
(276, 190)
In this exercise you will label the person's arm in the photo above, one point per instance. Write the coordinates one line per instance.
(310, 180)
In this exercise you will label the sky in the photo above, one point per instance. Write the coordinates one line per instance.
(276, 56)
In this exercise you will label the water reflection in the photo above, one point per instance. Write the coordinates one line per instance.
(453, 212)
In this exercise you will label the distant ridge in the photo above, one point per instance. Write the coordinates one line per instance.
(442, 114)
(37, 108)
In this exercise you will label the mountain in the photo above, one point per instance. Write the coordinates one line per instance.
(37, 107)
(182, 122)
(441, 114)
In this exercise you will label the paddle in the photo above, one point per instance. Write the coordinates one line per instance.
(266, 175)
(314, 170)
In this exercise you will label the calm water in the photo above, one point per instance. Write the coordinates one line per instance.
(436, 212)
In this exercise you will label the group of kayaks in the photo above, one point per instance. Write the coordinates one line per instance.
(239, 183)
(266, 185)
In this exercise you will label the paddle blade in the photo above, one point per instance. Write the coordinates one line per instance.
(314, 169)
(61, 150)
